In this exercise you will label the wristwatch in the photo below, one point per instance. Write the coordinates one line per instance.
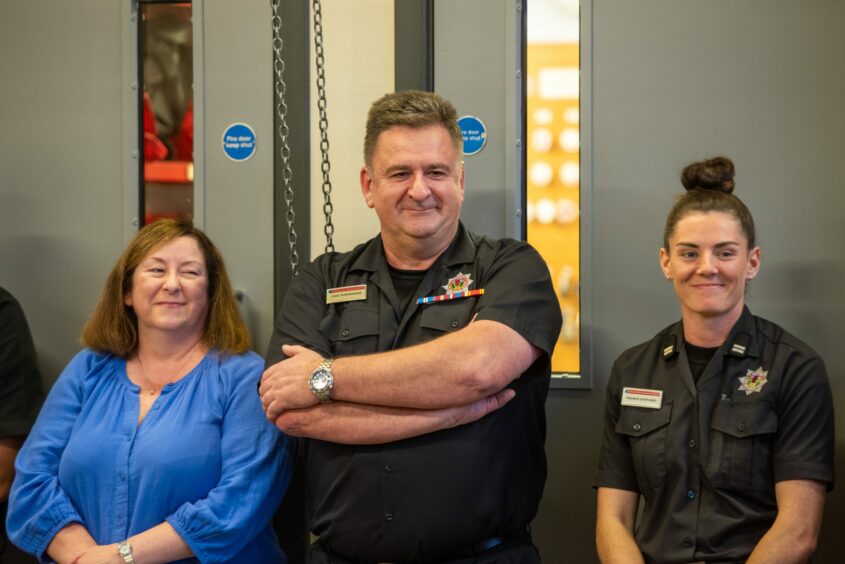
(321, 381)
(125, 551)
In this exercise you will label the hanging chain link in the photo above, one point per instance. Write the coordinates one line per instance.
(324, 124)
(284, 135)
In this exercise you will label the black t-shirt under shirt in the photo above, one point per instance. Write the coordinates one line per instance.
(406, 283)
(699, 358)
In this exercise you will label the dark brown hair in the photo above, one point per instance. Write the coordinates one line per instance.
(409, 108)
(113, 326)
(710, 186)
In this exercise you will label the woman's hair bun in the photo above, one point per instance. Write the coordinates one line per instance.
(713, 174)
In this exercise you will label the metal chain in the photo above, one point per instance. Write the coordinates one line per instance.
(324, 124)
(284, 134)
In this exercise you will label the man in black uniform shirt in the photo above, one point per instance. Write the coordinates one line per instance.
(20, 394)
(417, 365)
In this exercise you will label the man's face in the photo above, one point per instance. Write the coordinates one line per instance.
(415, 183)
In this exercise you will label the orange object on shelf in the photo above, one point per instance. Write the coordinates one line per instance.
(169, 172)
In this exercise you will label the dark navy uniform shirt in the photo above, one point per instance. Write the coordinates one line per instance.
(706, 462)
(21, 394)
(430, 496)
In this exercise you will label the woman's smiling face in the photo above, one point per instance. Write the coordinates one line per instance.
(709, 262)
(170, 288)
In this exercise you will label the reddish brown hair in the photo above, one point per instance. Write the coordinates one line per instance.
(113, 326)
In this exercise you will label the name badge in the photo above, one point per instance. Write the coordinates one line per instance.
(642, 397)
(346, 294)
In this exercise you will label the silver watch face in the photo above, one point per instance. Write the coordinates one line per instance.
(321, 380)
(124, 549)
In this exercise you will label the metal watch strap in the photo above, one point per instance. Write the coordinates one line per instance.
(124, 549)
(324, 396)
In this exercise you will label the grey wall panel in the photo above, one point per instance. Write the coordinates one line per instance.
(674, 82)
(61, 158)
(236, 86)
(475, 61)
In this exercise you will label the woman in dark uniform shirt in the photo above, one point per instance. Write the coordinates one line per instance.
(723, 422)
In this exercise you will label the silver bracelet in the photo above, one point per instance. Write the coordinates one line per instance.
(124, 549)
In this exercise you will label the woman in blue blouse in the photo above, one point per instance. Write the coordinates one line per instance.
(152, 446)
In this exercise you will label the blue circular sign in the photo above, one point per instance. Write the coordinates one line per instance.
(239, 142)
(475, 134)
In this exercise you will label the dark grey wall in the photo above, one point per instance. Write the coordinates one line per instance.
(61, 164)
(68, 183)
(674, 81)
(482, 35)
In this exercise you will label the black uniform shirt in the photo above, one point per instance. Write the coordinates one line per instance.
(20, 382)
(429, 496)
(707, 460)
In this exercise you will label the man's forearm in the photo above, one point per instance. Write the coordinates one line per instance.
(350, 423)
(454, 370)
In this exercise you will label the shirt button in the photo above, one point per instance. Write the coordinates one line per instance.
(454, 323)
(740, 427)
(687, 542)
(388, 516)
(344, 333)
(387, 468)
(691, 443)
(691, 494)
(637, 426)
(121, 476)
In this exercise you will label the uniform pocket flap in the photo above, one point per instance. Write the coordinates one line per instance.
(638, 421)
(742, 420)
(447, 316)
(350, 324)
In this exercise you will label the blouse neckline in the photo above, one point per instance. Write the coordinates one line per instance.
(167, 388)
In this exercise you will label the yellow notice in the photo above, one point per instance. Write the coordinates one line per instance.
(346, 294)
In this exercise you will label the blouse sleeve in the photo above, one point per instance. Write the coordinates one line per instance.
(38, 506)
(256, 469)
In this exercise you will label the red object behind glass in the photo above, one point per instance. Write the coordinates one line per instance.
(154, 148)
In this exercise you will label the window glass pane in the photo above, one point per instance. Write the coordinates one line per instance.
(167, 110)
(553, 157)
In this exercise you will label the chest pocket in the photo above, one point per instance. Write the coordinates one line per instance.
(445, 317)
(353, 330)
(741, 436)
(647, 431)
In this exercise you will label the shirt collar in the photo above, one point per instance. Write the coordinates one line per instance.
(741, 341)
(461, 250)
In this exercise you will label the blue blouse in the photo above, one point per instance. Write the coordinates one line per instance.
(205, 459)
